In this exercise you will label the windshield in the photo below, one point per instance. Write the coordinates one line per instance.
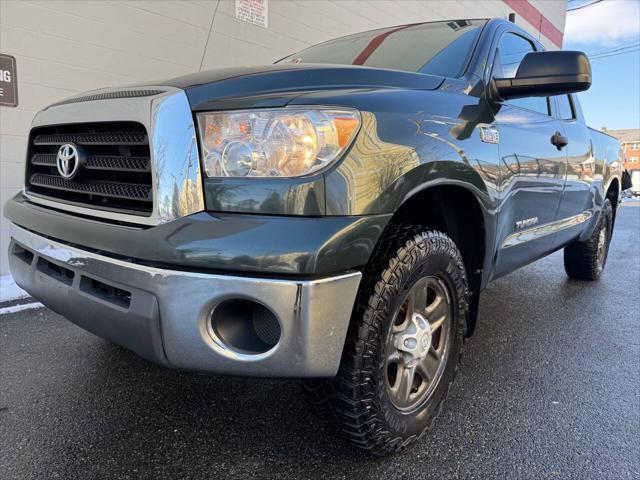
(437, 48)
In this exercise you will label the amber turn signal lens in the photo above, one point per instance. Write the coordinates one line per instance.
(345, 128)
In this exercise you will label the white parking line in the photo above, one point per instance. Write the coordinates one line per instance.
(19, 308)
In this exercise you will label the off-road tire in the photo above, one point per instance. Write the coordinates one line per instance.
(355, 401)
(581, 258)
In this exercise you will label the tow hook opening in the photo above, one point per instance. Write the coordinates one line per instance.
(245, 326)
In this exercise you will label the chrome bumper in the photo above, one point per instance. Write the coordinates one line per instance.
(163, 314)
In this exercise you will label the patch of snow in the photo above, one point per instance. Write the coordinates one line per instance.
(9, 290)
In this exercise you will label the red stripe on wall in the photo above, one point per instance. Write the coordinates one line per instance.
(374, 44)
(532, 15)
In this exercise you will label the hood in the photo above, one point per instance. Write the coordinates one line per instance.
(276, 85)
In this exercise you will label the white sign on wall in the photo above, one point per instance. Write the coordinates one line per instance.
(253, 11)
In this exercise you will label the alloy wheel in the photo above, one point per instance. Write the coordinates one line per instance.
(418, 344)
(602, 246)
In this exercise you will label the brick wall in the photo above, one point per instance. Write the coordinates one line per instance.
(66, 47)
(632, 155)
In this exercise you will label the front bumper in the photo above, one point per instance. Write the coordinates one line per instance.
(251, 245)
(162, 314)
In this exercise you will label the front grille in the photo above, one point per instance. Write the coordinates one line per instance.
(101, 139)
(115, 172)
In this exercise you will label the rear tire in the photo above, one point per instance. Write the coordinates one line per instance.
(586, 260)
(390, 388)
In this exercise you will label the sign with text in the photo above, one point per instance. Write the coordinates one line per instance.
(8, 81)
(253, 11)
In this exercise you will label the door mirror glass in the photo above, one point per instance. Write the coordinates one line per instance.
(543, 74)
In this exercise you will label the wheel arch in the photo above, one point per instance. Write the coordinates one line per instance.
(613, 194)
(458, 212)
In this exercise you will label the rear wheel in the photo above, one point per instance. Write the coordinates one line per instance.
(403, 347)
(586, 260)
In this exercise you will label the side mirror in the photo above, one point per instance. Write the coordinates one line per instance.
(543, 74)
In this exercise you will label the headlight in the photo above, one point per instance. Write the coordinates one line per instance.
(284, 142)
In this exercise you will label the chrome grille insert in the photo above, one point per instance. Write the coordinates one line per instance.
(115, 138)
(129, 191)
(100, 162)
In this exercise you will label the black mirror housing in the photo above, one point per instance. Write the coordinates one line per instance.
(544, 74)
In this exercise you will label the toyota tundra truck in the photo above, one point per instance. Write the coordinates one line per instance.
(331, 217)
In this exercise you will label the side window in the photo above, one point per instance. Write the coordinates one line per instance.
(511, 50)
(565, 109)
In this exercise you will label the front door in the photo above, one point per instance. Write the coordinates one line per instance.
(532, 167)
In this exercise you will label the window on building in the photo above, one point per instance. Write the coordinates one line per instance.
(632, 160)
(511, 50)
(634, 146)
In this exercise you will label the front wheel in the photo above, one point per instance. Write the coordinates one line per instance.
(403, 347)
(586, 260)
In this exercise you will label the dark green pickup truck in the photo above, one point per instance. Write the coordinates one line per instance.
(332, 217)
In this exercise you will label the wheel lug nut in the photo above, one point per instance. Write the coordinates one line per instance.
(410, 343)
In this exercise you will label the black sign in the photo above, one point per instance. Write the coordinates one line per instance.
(8, 81)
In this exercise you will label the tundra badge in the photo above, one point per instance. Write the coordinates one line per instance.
(527, 222)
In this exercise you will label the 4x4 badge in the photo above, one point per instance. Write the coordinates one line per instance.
(489, 135)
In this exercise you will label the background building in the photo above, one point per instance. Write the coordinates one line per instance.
(65, 47)
(630, 141)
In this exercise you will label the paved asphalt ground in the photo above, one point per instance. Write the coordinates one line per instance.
(549, 388)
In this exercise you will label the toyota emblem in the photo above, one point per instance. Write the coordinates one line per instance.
(67, 161)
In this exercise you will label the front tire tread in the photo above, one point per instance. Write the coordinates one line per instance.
(350, 401)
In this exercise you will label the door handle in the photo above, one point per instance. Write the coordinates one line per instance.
(559, 140)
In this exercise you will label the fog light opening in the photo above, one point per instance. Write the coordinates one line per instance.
(245, 326)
